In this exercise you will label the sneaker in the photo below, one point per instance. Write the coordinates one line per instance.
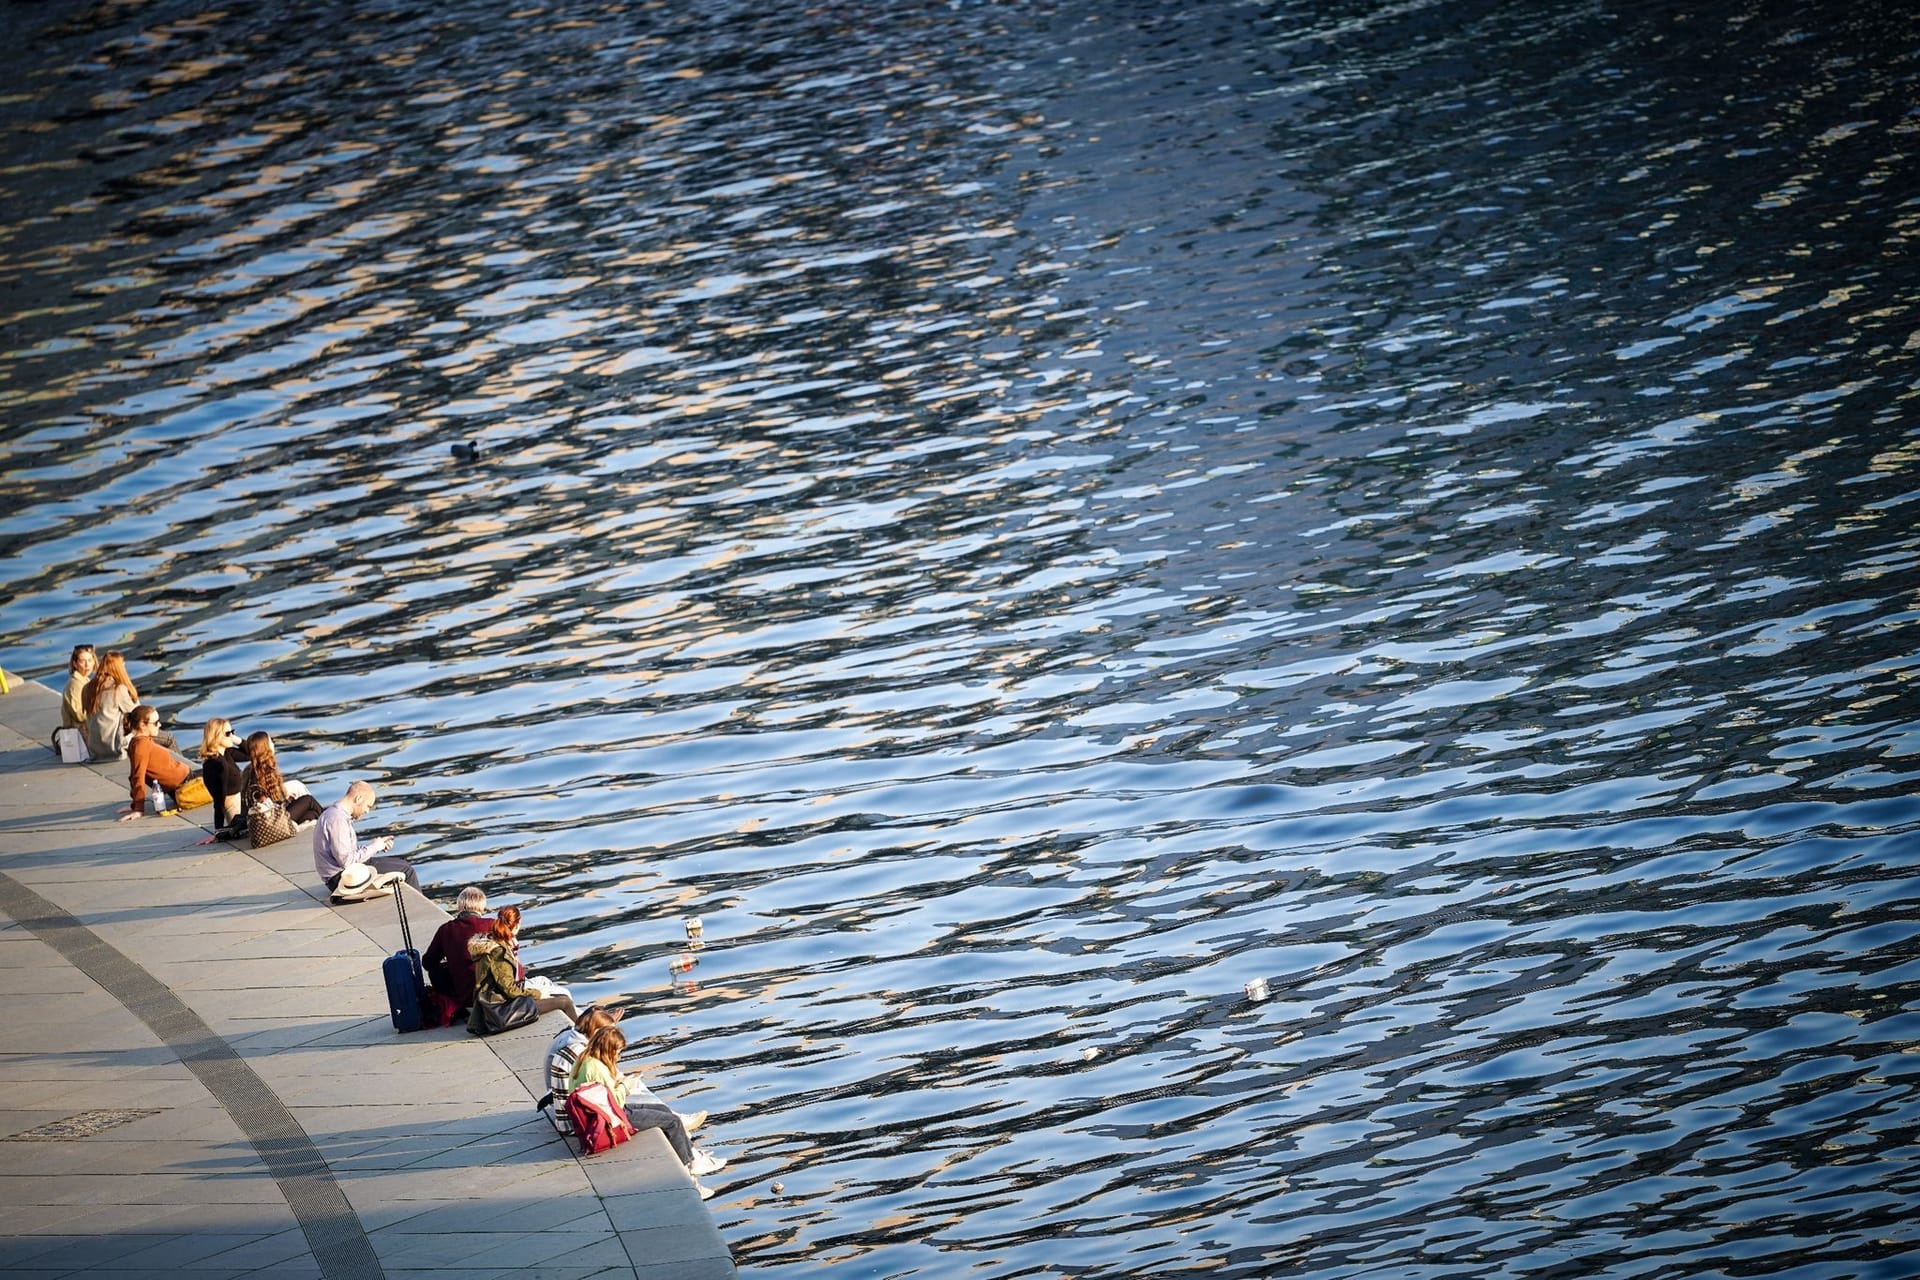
(706, 1193)
(704, 1163)
(692, 1122)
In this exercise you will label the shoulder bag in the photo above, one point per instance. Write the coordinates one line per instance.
(268, 822)
(491, 1017)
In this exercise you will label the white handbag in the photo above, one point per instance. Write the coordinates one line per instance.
(73, 747)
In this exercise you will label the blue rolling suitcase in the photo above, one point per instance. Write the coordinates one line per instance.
(406, 984)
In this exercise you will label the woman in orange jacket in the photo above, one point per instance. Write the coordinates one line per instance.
(148, 761)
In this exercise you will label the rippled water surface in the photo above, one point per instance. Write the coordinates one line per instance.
(1028, 517)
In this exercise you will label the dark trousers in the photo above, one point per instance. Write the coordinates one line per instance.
(649, 1115)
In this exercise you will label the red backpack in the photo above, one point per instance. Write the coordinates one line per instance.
(598, 1121)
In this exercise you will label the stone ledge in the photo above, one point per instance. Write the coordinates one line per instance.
(248, 941)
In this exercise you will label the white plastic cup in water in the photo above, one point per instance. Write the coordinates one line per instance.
(1257, 990)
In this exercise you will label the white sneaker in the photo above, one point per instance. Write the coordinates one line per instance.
(706, 1193)
(692, 1122)
(705, 1163)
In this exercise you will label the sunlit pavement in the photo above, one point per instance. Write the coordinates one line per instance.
(200, 1076)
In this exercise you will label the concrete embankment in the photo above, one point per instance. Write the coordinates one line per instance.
(200, 1078)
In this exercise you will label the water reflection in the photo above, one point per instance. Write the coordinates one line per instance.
(1025, 519)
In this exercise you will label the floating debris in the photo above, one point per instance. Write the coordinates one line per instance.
(1089, 1054)
(695, 927)
(1257, 990)
(779, 1187)
(683, 963)
(467, 451)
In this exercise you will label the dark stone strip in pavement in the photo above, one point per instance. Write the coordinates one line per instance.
(333, 1232)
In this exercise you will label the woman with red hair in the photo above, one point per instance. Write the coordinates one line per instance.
(109, 699)
(498, 974)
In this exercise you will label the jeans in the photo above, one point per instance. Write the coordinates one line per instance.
(651, 1115)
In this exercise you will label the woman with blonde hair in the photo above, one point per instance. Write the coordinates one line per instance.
(600, 1064)
(222, 761)
(563, 1055)
(265, 783)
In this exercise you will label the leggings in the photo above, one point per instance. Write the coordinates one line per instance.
(548, 1004)
(651, 1115)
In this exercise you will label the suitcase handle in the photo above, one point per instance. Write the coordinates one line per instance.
(400, 904)
(406, 935)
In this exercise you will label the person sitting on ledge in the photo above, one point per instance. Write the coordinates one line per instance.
(336, 846)
(80, 668)
(563, 1054)
(106, 703)
(265, 783)
(148, 761)
(448, 965)
(221, 767)
(498, 974)
(601, 1064)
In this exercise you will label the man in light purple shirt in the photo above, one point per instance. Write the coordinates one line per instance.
(336, 847)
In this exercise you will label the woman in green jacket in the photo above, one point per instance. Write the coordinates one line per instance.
(498, 974)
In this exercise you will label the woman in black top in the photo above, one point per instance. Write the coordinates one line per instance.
(222, 766)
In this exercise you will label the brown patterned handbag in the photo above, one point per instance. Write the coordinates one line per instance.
(268, 822)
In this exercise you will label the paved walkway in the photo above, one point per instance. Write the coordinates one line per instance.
(198, 1075)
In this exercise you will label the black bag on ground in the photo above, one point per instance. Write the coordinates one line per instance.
(406, 983)
(491, 1017)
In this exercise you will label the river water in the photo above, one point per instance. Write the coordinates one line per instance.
(1027, 518)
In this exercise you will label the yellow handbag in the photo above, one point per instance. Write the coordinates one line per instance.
(192, 794)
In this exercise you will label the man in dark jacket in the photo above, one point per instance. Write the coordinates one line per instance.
(449, 967)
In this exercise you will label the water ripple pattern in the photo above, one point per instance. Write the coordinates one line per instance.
(1027, 518)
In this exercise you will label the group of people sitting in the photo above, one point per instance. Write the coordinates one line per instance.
(475, 957)
(242, 776)
(99, 701)
(102, 704)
